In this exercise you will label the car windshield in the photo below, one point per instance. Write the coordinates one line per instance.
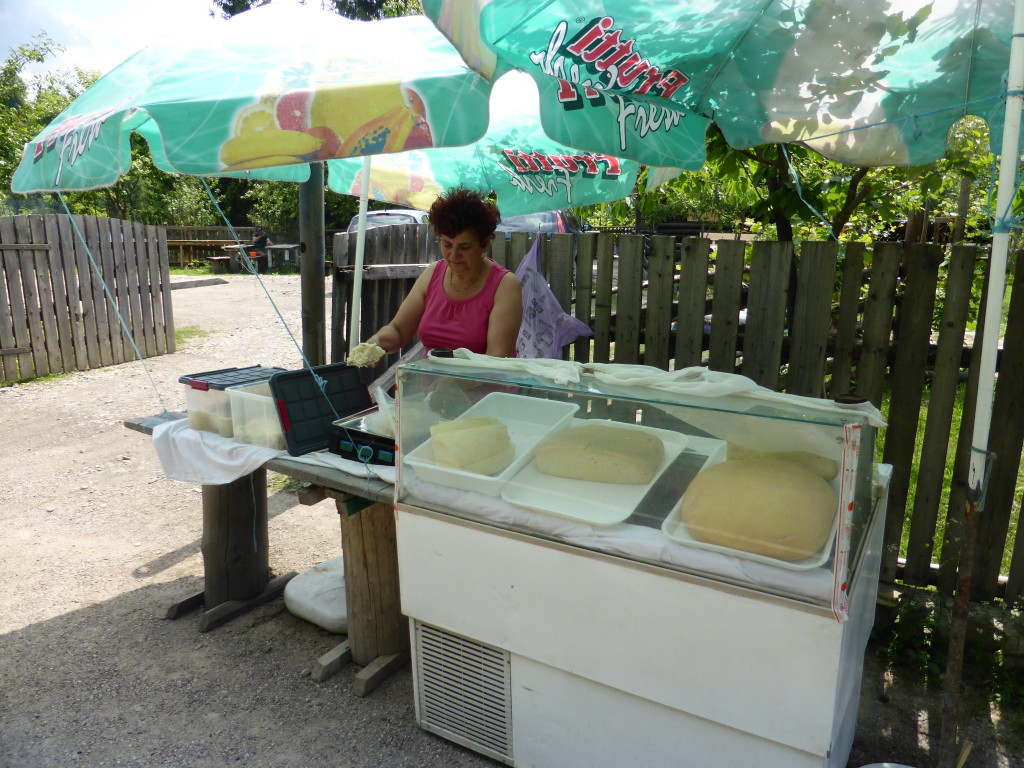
(384, 219)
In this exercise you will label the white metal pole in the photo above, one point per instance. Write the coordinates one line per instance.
(357, 276)
(1008, 163)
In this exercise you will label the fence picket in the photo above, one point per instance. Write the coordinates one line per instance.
(1005, 440)
(907, 384)
(584, 306)
(660, 287)
(30, 298)
(603, 297)
(811, 319)
(942, 398)
(878, 308)
(630, 302)
(846, 320)
(766, 312)
(693, 287)
(64, 339)
(723, 346)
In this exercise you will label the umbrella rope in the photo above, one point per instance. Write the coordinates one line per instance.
(112, 300)
(800, 193)
(970, 59)
(249, 267)
(363, 456)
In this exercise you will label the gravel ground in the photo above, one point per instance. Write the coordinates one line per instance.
(96, 543)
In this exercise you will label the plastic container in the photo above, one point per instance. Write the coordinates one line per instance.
(206, 398)
(318, 595)
(529, 420)
(254, 416)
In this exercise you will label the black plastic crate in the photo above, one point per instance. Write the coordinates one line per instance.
(307, 411)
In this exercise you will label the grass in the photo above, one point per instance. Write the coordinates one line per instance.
(948, 479)
(283, 483)
(181, 335)
(915, 634)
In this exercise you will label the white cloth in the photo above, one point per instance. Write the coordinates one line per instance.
(685, 381)
(197, 456)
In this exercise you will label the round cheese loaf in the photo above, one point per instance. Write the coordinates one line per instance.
(766, 506)
(601, 453)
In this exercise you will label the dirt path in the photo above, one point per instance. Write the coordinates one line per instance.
(95, 544)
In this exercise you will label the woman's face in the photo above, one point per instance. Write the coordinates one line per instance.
(464, 252)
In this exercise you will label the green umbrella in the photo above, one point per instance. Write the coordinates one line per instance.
(869, 82)
(515, 158)
(282, 88)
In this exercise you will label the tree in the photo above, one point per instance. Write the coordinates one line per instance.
(352, 9)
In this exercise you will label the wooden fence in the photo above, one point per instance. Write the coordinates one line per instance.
(856, 319)
(56, 316)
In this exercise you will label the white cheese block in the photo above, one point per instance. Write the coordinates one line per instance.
(365, 354)
(601, 453)
(767, 506)
(481, 445)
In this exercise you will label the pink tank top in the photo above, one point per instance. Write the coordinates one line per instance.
(455, 323)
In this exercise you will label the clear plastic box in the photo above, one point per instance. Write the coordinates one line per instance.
(206, 398)
(254, 416)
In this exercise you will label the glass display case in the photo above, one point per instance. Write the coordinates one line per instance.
(698, 472)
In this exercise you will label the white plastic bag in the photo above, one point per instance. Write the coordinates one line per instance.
(546, 326)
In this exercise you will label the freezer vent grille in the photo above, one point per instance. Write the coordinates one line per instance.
(462, 691)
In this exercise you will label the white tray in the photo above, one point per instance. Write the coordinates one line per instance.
(529, 420)
(675, 529)
(601, 504)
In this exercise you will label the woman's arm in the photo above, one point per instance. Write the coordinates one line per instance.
(506, 317)
(399, 332)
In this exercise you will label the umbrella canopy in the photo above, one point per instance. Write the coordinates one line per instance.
(865, 82)
(515, 158)
(263, 95)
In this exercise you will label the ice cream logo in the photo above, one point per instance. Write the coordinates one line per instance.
(76, 136)
(536, 172)
(310, 124)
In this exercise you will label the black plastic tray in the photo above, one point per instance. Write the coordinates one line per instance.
(307, 412)
(229, 377)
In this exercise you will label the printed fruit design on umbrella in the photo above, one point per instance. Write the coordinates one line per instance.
(306, 125)
(401, 180)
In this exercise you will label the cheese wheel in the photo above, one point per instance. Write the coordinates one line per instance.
(481, 445)
(819, 465)
(601, 453)
(766, 506)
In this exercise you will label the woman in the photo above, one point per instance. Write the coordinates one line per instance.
(464, 300)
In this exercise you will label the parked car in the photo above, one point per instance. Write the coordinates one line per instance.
(548, 222)
(389, 217)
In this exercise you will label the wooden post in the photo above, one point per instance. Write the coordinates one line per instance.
(376, 626)
(235, 540)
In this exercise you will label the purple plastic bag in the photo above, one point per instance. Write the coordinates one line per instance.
(546, 327)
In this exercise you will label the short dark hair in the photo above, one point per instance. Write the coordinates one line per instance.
(460, 209)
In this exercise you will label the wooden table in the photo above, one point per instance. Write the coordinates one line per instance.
(237, 574)
(186, 248)
(279, 253)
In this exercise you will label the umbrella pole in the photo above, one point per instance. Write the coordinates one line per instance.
(357, 276)
(311, 265)
(1008, 164)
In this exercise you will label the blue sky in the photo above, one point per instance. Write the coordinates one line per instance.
(97, 34)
